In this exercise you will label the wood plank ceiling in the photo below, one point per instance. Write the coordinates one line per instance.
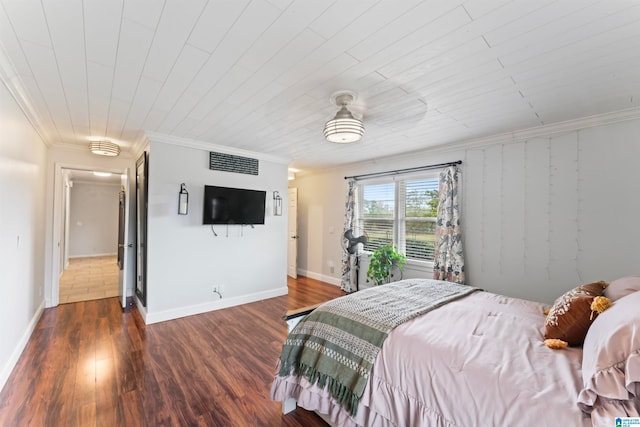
(258, 74)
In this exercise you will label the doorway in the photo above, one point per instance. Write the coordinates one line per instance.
(90, 269)
(91, 216)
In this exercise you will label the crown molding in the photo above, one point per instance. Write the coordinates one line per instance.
(139, 146)
(542, 131)
(208, 146)
(14, 85)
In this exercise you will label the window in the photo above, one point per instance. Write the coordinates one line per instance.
(401, 212)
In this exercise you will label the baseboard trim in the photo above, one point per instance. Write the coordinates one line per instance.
(141, 308)
(17, 352)
(176, 313)
(322, 277)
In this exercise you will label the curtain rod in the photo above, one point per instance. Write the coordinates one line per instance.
(399, 171)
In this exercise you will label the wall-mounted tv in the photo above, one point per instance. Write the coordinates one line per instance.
(225, 205)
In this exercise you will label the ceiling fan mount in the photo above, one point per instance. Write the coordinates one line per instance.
(343, 98)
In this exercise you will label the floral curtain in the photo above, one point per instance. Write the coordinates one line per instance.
(448, 261)
(349, 262)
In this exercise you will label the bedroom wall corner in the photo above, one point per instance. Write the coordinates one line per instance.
(321, 199)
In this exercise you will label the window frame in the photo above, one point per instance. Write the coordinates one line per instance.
(399, 220)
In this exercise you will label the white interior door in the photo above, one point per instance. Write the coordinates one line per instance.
(124, 245)
(292, 254)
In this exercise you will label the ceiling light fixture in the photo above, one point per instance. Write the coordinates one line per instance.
(102, 174)
(343, 128)
(104, 148)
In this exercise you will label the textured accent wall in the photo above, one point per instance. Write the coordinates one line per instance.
(546, 214)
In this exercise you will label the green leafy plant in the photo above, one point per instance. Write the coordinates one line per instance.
(382, 262)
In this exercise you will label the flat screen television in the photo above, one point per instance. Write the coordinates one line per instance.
(225, 205)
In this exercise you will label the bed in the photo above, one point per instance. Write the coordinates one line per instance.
(478, 359)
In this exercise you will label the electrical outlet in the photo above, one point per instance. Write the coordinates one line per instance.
(220, 288)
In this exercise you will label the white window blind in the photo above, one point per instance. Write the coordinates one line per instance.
(418, 223)
(401, 212)
(377, 214)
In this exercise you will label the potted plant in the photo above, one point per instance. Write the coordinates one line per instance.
(382, 262)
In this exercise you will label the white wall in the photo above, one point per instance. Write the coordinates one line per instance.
(185, 259)
(540, 216)
(93, 219)
(22, 195)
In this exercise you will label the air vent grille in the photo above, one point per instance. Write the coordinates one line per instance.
(230, 163)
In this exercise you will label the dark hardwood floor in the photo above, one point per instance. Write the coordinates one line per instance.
(90, 364)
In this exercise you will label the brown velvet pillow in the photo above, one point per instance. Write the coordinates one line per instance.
(570, 317)
(595, 289)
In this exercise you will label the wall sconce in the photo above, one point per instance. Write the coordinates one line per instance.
(277, 204)
(183, 200)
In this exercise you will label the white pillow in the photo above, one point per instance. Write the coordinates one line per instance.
(611, 355)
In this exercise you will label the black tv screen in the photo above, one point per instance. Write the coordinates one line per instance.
(224, 205)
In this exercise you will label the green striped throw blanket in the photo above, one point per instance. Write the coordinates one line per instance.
(337, 344)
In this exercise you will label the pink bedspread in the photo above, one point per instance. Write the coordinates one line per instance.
(477, 361)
